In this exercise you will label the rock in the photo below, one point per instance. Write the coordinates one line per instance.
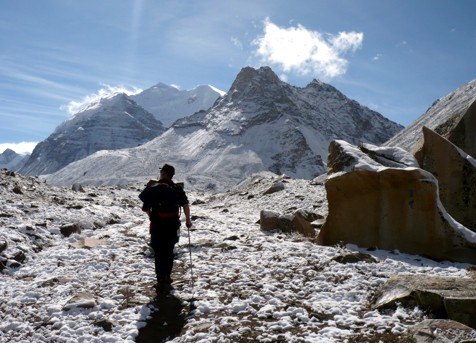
(2, 266)
(69, 229)
(372, 205)
(299, 222)
(77, 187)
(17, 190)
(276, 187)
(302, 223)
(354, 258)
(19, 257)
(308, 215)
(232, 238)
(81, 300)
(445, 297)
(89, 243)
(270, 220)
(105, 324)
(456, 175)
(3, 246)
(54, 281)
(439, 331)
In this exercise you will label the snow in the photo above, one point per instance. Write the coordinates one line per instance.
(248, 284)
(167, 103)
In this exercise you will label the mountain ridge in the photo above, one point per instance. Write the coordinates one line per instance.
(262, 123)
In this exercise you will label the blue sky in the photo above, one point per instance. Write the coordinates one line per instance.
(396, 57)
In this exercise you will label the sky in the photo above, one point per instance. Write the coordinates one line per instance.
(394, 56)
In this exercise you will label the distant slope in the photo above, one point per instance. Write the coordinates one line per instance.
(443, 109)
(10, 160)
(261, 124)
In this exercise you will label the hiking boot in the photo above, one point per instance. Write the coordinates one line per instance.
(163, 284)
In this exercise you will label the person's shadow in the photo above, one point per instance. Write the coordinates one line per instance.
(167, 321)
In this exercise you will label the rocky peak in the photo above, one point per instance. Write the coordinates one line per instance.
(250, 80)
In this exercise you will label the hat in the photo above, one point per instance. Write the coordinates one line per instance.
(168, 169)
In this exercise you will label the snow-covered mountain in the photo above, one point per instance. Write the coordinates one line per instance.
(113, 122)
(439, 112)
(10, 160)
(261, 124)
(168, 103)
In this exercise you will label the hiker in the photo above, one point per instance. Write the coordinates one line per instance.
(161, 201)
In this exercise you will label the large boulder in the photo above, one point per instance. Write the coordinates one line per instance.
(456, 174)
(374, 205)
(444, 297)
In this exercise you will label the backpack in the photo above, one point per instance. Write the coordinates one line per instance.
(165, 202)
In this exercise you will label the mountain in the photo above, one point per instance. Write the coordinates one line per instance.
(168, 103)
(10, 160)
(261, 124)
(442, 110)
(113, 122)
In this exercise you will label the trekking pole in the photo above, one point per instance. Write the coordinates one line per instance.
(192, 299)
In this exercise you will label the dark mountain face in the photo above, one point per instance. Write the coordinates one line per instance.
(114, 123)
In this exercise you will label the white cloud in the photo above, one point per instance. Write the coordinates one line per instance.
(19, 148)
(377, 57)
(105, 92)
(297, 49)
(236, 42)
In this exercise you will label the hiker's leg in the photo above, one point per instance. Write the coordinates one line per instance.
(166, 258)
(155, 242)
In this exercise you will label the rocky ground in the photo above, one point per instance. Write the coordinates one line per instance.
(76, 267)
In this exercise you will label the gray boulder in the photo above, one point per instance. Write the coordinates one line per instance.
(445, 297)
(439, 331)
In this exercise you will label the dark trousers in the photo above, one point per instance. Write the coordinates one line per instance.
(163, 236)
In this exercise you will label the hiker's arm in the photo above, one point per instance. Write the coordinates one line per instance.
(186, 211)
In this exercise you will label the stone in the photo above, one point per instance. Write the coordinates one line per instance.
(455, 171)
(3, 246)
(445, 297)
(20, 257)
(69, 229)
(271, 220)
(372, 205)
(439, 331)
(354, 258)
(77, 187)
(302, 223)
(105, 324)
(88, 243)
(81, 300)
(276, 187)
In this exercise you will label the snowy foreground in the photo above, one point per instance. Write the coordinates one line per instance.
(248, 285)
